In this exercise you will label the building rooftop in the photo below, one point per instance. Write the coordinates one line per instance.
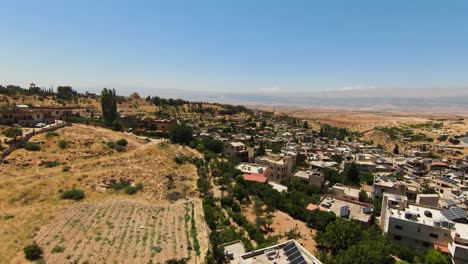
(354, 210)
(251, 168)
(284, 253)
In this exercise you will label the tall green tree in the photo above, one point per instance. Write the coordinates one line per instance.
(65, 92)
(352, 175)
(181, 134)
(109, 105)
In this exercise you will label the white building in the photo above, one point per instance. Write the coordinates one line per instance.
(426, 227)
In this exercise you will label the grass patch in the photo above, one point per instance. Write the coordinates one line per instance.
(51, 134)
(72, 194)
(57, 249)
(32, 146)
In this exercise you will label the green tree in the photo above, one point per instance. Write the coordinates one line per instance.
(374, 248)
(339, 235)
(319, 219)
(13, 132)
(260, 151)
(363, 197)
(426, 189)
(352, 175)
(65, 92)
(435, 257)
(33, 252)
(181, 134)
(305, 125)
(109, 105)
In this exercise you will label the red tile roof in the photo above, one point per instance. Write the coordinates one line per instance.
(255, 177)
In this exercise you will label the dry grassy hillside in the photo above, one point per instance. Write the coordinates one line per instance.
(29, 190)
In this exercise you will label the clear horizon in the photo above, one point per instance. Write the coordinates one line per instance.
(265, 46)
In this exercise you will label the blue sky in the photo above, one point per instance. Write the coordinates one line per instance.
(245, 46)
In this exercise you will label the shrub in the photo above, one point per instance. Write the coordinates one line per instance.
(50, 164)
(119, 145)
(51, 134)
(73, 194)
(65, 168)
(131, 190)
(110, 144)
(62, 144)
(33, 252)
(121, 142)
(32, 146)
(7, 122)
(57, 249)
(13, 132)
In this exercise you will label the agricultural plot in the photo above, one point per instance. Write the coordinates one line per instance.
(124, 231)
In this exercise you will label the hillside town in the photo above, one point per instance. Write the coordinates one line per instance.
(275, 188)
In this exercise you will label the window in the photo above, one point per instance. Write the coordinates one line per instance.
(399, 227)
(434, 235)
(425, 244)
(397, 237)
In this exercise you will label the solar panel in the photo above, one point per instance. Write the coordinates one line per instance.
(453, 214)
(344, 211)
(450, 202)
(449, 180)
(293, 254)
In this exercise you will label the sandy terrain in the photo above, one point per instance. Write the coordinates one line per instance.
(120, 231)
(283, 223)
(29, 191)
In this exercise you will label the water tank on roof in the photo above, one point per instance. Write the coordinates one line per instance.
(408, 215)
(428, 213)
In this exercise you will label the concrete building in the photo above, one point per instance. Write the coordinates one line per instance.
(426, 227)
(280, 166)
(344, 191)
(253, 172)
(311, 177)
(29, 116)
(236, 150)
(347, 209)
(384, 184)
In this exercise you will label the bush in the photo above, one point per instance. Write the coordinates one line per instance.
(13, 132)
(50, 164)
(73, 194)
(119, 148)
(65, 168)
(62, 144)
(51, 134)
(7, 122)
(57, 249)
(118, 145)
(121, 142)
(110, 144)
(33, 252)
(131, 190)
(32, 146)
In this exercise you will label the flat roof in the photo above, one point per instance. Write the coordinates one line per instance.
(355, 209)
(251, 167)
(284, 253)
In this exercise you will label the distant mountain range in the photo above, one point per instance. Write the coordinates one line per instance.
(431, 100)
